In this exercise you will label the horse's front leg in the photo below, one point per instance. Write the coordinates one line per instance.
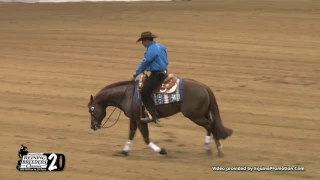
(128, 146)
(143, 127)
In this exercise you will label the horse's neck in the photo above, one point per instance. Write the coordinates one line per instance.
(112, 96)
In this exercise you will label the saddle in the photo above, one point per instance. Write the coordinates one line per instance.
(169, 84)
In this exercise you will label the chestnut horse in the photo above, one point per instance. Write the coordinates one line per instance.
(193, 99)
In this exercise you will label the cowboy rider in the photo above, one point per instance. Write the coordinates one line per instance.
(156, 61)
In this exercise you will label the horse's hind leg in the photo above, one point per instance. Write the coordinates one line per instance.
(207, 142)
(219, 147)
(206, 123)
(217, 142)
(207, 139)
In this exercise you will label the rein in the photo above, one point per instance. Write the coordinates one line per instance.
(109, 118)
(114, 110)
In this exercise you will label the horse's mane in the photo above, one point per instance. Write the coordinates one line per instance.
(119, 83)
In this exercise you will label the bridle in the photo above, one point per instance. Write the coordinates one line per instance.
(91, 110)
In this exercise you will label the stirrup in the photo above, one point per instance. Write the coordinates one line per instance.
(149, 119)
(145, 119)
(147, 116)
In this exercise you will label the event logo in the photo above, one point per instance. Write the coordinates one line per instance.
(39, 161)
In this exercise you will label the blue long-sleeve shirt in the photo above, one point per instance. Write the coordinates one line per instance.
(155, 59)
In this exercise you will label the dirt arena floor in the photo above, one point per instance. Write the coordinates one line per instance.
(261, 58)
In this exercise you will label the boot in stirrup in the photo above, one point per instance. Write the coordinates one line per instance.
(146, 117)
(155, 117)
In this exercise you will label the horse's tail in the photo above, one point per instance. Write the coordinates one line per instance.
(218, 130)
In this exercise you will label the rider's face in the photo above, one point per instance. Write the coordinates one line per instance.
(145, 43)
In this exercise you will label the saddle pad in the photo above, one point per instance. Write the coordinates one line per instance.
(160, 99)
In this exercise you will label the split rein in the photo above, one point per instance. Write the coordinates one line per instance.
(109, 118)
(113, 112)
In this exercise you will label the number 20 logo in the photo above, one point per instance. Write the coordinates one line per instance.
(54, 162)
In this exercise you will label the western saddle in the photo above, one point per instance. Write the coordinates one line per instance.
(169, 85)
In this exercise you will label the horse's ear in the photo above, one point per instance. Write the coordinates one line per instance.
(91, 99)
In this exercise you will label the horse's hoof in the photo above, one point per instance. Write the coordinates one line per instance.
(124, 153)
(220, 154)
(163, 151)
(209, 152)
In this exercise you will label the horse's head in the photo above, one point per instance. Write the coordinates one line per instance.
(97, 113)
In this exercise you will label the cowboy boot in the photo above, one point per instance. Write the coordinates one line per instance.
(145, 116)
(154, 115)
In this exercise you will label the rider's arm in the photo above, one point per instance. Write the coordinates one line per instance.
(148, 58)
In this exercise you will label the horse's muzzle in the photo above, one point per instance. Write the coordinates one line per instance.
(95, 126)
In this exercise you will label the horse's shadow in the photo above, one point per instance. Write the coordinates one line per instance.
(175, 153)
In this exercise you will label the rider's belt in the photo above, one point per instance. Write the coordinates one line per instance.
(159, 72)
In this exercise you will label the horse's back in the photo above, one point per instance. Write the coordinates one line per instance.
(195, 83)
